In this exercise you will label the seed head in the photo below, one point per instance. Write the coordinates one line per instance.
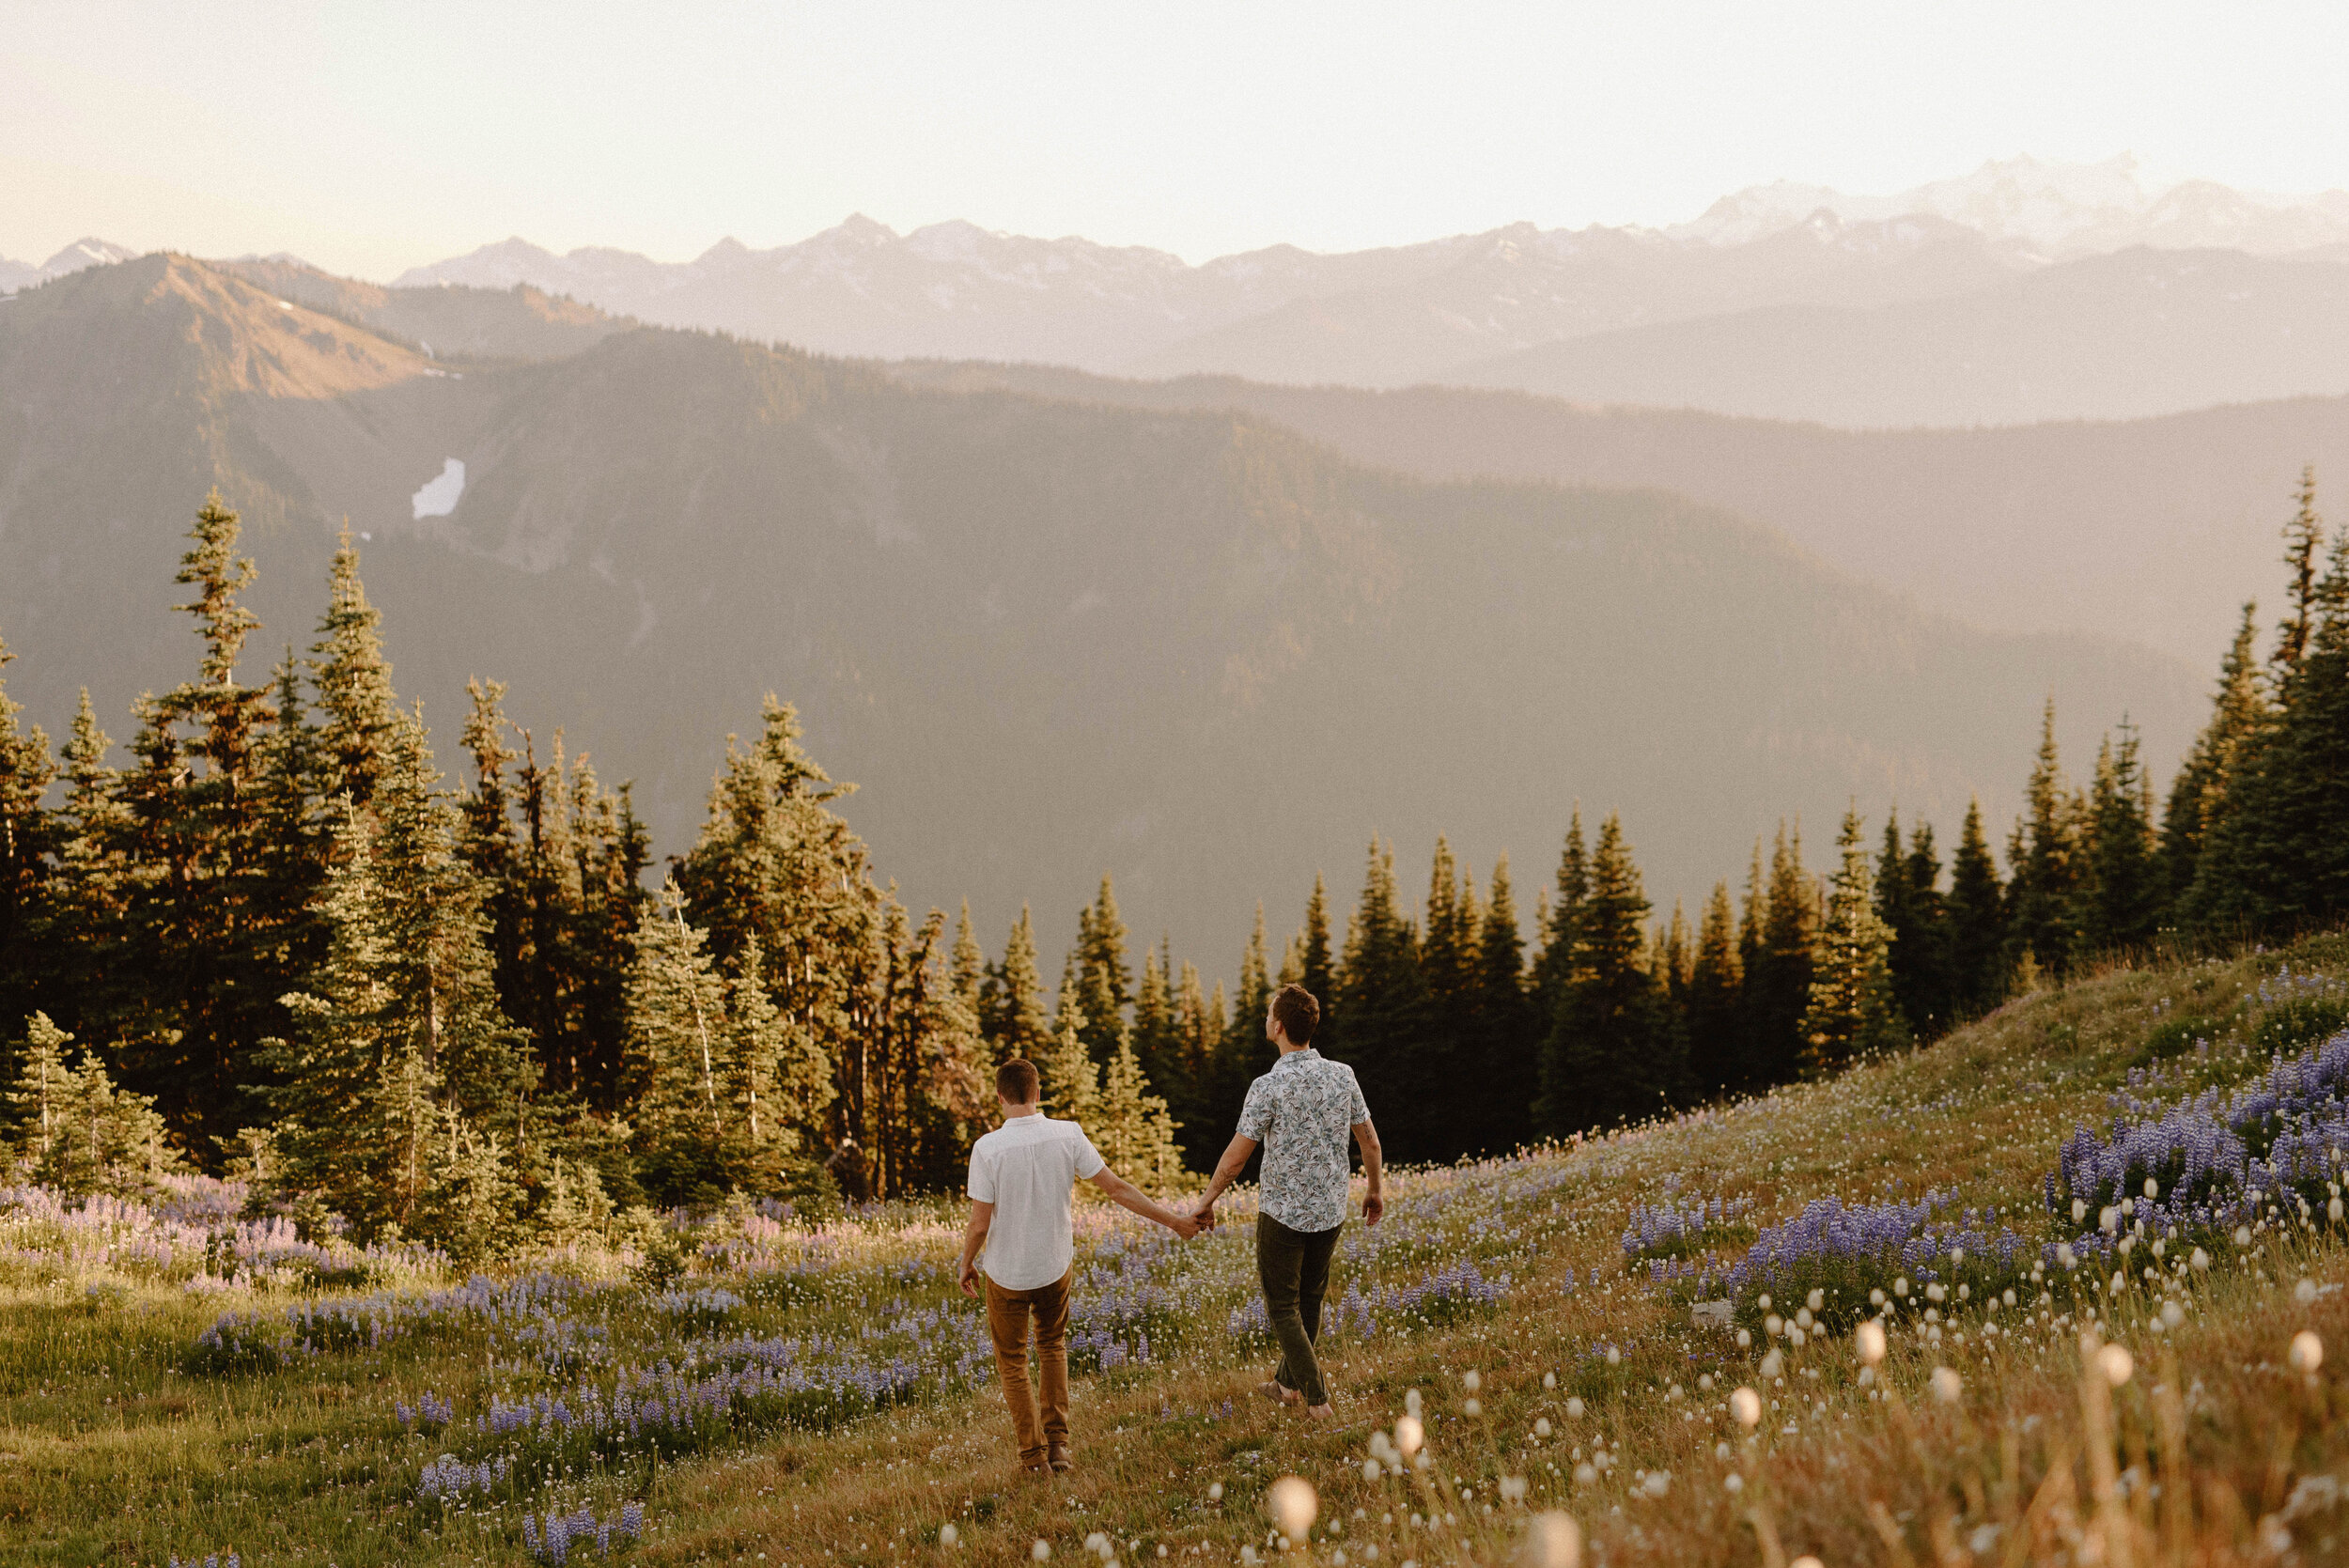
(1292, 1505)
(1747, 1407)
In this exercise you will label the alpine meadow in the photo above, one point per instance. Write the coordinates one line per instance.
(626, 884)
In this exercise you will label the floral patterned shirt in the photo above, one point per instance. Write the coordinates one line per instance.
(1303, 1112)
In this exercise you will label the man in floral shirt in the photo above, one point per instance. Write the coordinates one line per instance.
(1301, 1114)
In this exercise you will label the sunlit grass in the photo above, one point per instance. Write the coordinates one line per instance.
(1594, 1391)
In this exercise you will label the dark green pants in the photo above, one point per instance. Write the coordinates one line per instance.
(1294, 1268)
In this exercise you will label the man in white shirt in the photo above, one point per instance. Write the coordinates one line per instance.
(1022, 1176)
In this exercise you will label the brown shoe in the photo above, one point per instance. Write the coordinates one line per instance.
(1060, 1461)
(1271, 1390)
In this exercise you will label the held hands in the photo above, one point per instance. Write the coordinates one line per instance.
(1184, 1225)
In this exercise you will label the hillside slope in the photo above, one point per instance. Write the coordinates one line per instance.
(1191, 649)
(2153, 530)
(816, 1384)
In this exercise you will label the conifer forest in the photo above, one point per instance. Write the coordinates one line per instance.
(443, 993)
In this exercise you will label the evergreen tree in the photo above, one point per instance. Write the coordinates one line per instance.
(1982, 963)
(1157, 1037)
(1132, 1129)
(967, 971)
(354, 683)
(1714, 975)
(1199, 1028)
(1316, 971)
(197, 929)
(1105, 980)
(681, 1059)
(1383, 998)
(2304, 542)
(2198, 794)
(1011, 1004)
(1241, 1052)
(1778, 976)
(1072, 1084)
(775, 862)
(1452, 1100)
(1853, 1013)
(75, 1132)
(27, 841)
(1553, 960)
(2045, 853)
(1503, 1067)
(1923, 980)
(399, 1031)
(2283, 844)
(1608, 1057)
(2119, 893)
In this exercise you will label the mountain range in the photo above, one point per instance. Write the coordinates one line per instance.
(2024, 293)
(1048, 633)
(2151, 531)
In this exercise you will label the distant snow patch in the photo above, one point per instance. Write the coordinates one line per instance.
(439, 496)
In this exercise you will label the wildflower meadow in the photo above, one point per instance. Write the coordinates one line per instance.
(2059, 1288)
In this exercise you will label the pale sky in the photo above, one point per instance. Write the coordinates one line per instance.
(368, 138)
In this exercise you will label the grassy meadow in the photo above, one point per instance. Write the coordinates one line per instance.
(765, 1386)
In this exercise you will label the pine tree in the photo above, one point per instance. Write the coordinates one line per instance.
(1072, 1084)
(2283, 841)
(76, 1131)
(1383, 998)
(195, 928)
(775, 862)
(1157, 1040)
(27, 841)
(1132, 1129)
(1241, 1052)
(1105, 980)
(1450, 1100)
(2045, 854)
(1778, 976)
(2304, 542)
(1503, 1066)
(1715, 974)
(1853, 1013)
(680, 1061)
(2118, 894)
(2199, 794)
(967, 973)
(400, 1030)
(1011, 1004)
(1923, 980)
(1553, 960)
(354, 682)
(1608, 1057)
(1199, 1031)
(1316, 971)
(1981, 961)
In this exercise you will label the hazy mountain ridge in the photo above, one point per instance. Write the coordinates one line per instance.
(1047, 638)
(2152, 530)
(2129, 335)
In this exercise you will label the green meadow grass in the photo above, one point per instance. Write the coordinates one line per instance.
(119, 1444)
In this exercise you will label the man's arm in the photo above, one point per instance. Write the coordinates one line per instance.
(1227, 1171)
(1125, 1195)
(973, 1238)
(1373, 1196)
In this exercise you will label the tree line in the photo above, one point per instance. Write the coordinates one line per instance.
(282, 945)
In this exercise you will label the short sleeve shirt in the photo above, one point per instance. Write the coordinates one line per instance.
(1302, 1111)
(1028, 1169)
